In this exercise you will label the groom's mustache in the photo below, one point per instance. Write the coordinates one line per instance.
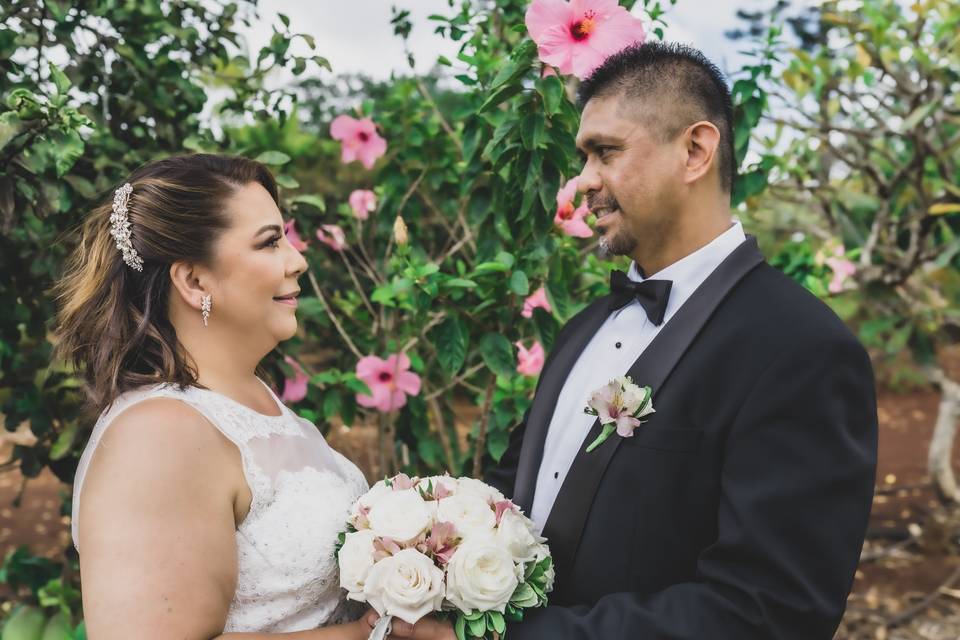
(601, 203)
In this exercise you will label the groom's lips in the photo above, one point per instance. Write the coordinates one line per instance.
(603, 214)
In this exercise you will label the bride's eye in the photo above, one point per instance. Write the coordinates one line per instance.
(272, 242)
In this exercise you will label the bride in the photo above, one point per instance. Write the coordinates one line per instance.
(203, 507)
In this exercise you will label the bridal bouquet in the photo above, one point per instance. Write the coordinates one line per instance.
(452, 546)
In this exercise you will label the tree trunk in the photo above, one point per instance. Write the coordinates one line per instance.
(939, 460)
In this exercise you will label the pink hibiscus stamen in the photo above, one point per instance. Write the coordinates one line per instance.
(581, 29)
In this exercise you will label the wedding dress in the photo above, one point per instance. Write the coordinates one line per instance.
(302, 492)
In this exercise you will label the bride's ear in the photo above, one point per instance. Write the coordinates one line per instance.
(189, 283)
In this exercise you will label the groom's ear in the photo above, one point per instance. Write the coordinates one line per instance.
(702, 140)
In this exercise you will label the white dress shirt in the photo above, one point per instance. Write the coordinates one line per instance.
(610, 353)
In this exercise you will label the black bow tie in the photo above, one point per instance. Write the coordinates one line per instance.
(651, 294)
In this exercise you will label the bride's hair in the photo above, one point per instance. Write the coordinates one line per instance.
(112, 324)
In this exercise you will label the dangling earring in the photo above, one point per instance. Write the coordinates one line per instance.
(205, 303)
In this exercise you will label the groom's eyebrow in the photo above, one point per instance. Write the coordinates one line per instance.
(592, 142)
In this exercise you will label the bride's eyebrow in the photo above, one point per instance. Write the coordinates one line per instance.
(267, 227)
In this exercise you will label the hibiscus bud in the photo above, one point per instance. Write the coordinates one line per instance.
(400, 232)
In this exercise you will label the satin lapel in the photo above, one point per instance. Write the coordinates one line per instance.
(569, 513)
(555, 373)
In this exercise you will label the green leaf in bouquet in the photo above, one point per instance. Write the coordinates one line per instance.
(496, 622)
(524, 596)
(477, 627)
(460, 628)
(513, 613)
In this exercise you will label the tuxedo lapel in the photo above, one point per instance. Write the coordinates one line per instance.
(555, 373)
(568, 516)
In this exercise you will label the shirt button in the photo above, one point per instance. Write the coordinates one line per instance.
(556, 475)
(618, 345)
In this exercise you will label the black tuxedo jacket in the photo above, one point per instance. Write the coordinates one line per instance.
(738, 510)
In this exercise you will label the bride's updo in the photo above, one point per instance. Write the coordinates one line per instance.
(113, 325)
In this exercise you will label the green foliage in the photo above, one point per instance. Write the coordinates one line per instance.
(865, 136)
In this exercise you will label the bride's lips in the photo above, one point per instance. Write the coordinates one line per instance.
(289, 299)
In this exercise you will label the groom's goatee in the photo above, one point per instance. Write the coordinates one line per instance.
(603, 248)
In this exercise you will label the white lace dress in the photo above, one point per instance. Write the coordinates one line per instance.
(302, 492)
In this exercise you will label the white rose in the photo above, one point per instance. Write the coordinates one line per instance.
(400, 515)
(475, 487)
(469, 513)
(406, 585)
(356, 560)
(366, 501)
(481, 576)
(515, 535)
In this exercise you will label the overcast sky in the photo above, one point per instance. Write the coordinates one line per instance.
(355, 35)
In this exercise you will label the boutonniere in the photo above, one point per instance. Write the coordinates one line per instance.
(620, 404)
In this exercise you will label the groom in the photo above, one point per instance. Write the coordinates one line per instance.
(737, 511)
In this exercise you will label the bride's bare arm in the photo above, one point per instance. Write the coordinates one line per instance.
(158, 554)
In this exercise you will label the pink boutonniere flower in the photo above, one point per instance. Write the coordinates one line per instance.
(620, 405)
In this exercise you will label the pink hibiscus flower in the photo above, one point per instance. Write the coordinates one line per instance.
(290, 229)
(295, 388)
(529, 362)
(363, 202)
(537, 299)
(332, 236)
(358, 140)
(570, 218)
(843, 269)
(390, 382)
(577, 36)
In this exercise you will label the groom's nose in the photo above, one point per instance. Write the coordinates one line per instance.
(589, 178)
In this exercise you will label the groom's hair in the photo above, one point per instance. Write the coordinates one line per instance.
(678, 85)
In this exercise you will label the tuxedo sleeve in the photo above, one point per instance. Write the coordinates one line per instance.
(796, 489)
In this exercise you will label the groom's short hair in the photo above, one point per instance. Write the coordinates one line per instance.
(681, 81)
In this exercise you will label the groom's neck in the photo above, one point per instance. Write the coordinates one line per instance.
(687, 238)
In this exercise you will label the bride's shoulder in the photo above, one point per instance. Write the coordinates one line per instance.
(160, 436)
